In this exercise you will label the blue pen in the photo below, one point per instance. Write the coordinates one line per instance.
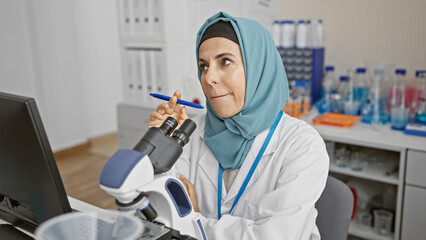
(167, 98)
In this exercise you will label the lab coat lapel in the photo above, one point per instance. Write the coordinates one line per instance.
(210, 166)
(248, 162)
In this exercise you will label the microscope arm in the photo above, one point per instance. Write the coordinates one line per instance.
(125, 173)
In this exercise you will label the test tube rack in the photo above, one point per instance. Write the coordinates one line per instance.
(304, 65)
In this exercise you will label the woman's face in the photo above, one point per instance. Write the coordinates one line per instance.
(222, 75)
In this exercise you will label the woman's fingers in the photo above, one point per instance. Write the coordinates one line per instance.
(182, 115)
(155, 119)
(191, 192)
(164, 110)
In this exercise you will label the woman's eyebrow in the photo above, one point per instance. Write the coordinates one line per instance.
(224, 54)
(218, 56)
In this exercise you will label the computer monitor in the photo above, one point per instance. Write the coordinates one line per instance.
(31, 189)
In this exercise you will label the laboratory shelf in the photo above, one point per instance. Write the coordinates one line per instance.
(370, 173)
(366, 233)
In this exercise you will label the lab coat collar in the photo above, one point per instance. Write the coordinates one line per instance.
(210, 165)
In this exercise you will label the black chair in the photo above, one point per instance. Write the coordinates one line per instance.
(334, 207)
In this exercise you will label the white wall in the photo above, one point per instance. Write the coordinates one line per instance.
(391, 30)
(16, 70)
(98, 42)
(65, 54)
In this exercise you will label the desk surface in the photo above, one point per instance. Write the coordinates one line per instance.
(362, 134)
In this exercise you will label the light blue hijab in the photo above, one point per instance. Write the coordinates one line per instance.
(230, 139)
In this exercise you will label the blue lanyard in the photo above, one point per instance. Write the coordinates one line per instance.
(250, 173)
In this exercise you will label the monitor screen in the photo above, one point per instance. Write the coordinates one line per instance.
(31, 189)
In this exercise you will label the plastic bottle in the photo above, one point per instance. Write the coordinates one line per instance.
(314, 34)
(301, 34)
(343, 86)
(276, 33)
(329, 82)
(400, 113)
(415, 89)
(320, 30)
(398, 101)
(421, 108)
(350, 97)
(362, 85)
(329, 87)
(395, 94)
(288, 30)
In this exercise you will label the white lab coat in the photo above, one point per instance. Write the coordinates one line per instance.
(279, 200)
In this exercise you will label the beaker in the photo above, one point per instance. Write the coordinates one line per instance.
(342, 157)
(399, 117)
(382, 221)
(108, 225)
(364, 220)
(356, 161)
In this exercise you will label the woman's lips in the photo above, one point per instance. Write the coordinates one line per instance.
(219, 96)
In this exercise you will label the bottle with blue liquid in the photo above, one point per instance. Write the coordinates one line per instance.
(362, 85)
(350, 103)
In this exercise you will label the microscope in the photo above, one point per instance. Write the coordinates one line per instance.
(137, 180)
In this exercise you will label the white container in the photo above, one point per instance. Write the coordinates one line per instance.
(315, 35)
(329, 82)
(105, 225)
(301, 34)
(288, 30)
(320, 30)
(276, 33)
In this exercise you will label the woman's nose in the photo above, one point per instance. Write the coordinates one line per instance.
(212, 76)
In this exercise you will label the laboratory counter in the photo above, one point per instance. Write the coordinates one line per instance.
(406, 178)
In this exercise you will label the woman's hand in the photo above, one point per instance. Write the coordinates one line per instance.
(165, 110)
(191, 192)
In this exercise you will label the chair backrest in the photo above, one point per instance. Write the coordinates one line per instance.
(334, 207)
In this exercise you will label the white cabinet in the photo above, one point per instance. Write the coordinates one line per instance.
(407, 180)
(416, 168)
(414, 214)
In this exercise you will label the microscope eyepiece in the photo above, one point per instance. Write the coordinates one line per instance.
(168, 126)
(163, 150)
(182, 134)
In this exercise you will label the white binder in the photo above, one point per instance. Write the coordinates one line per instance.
(161, 85)
(147, 15)
(153, 70)
(156, 18)
(143, 94)
(128, 76)
(148, 74)
(125, 20)
(139, 16)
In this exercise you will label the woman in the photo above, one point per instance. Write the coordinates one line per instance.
(254, 172)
